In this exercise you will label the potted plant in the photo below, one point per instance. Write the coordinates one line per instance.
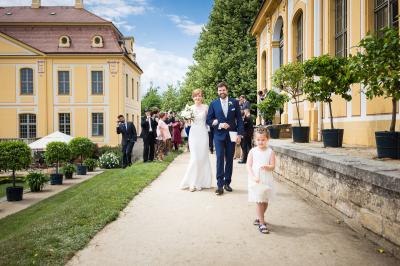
(14, 155)
(91, 164)
(68, 169)
(56, 153)
(289, 78)
(82, 148)
(377, 67)
(272, 102)
(36, 181)
(326, 76)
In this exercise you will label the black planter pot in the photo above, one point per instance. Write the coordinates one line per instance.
(81, 170)
(274, 132)
(68, 175)
(332, 137)
(56, 179)
(14, 193)
(301, 134)
(388, 144)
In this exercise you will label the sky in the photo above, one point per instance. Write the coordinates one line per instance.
(165, 31)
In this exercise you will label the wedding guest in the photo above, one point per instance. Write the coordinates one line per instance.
(247, 136)
(243, 103)
(129, 137)
(260, 164)
(261, 95)
(176, 132)
(163, 136)
(187, 130)
(149, 126)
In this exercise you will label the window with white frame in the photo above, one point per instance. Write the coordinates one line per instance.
(27, 126)
(26, 77)
(63, 82)
(64, 123)
(97, 82)
(97, 124)
(341, 28)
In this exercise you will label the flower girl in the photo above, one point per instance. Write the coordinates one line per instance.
(260, 164)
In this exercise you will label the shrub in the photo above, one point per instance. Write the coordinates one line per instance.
(109, 160)
(90, 163)
(68, 168)
(36, 181)
(57, 152)
(106, 149)
(14, 155)
(272, 103)
(81, 147)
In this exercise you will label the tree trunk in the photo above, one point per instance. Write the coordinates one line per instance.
(330, 112)
(81, 159)
(393, 124)
(13, 175)
(298, 112)
(57, 168)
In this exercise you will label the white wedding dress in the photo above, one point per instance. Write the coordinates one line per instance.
(198, 174)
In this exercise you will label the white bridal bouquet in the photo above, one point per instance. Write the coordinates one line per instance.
(187, 113)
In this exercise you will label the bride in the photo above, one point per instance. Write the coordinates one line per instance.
(198, 174)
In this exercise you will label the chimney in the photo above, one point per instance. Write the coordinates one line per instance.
(35, 4)
(78, 3)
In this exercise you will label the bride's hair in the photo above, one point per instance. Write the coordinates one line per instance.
(197, 92)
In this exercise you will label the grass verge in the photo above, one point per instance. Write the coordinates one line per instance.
(51, 231)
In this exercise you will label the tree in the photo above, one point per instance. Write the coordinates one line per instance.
(326, 76)
(377, 66)
(273, 102)
(57, 152)
(14, 155)
(226, 52)
(152, 98)
(289, 78)
(81, 147)
(170, 99)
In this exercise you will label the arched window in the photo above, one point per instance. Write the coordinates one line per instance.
(281, 47)
(386, 14)
(341, 28)
(64, 42)
(299, 28)
(97, 41)
(27, 126)
(26, 78)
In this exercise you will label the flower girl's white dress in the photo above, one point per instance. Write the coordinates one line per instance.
(263, 191)
(198, 174)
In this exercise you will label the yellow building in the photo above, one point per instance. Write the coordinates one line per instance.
(290, 30)
(66, 69)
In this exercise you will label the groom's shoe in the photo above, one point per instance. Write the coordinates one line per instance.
(228, 188)
(219, 191)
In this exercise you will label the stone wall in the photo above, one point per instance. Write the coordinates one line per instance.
(364, 193)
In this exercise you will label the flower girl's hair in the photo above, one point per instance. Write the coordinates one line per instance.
(263, 131)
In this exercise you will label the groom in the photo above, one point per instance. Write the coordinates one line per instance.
(224, 116)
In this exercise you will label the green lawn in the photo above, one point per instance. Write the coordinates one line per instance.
(51, 231)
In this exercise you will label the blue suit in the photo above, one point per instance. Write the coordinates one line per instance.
(224, 147)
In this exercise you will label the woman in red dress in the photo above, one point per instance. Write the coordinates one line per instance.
(176, 132)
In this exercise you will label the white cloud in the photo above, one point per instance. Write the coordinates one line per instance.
(160, 67)
(188, 27)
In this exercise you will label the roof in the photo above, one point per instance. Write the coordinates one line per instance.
(48, 14)
(46, 38)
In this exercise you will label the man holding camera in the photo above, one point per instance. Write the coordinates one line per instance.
(149, 134)
(129, 137)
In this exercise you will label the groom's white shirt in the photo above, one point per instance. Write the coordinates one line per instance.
(225, 107)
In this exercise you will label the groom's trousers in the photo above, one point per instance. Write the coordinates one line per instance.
(224, 150)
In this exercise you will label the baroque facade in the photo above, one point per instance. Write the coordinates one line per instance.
(65, 69)
(296, 30)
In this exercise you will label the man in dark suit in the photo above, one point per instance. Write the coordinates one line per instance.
(247, 135)
(244, 104)
(149, 134)
(224, 115)
(129, 137)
